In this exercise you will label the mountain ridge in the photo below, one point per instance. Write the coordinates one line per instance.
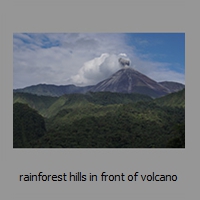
(53, 90)
(125, 80)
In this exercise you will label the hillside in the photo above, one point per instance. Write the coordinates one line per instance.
(28, 126)
(172, 86)
(49, 106)
(176, 99)
(101, 120)
(39, 103)
(134, 125)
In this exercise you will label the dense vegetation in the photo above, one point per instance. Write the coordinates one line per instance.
(28, 126)
(39, 103)
(174, 99)
(101, 120)
(49, 106)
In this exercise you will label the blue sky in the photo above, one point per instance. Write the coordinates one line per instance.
(87, 58)
(162, 47)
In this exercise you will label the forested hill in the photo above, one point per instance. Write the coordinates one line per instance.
(101, 120)
(49, 106)
(176, 99)
(28, 126)
(39, 103)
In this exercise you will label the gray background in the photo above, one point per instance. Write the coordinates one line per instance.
(99, 16)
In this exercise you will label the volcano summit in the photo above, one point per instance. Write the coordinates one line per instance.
(128, 80)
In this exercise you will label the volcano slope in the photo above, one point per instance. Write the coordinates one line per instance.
(128, 80)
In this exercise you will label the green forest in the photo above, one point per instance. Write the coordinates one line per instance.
(99, 120)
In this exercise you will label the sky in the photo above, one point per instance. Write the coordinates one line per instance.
(88, 58)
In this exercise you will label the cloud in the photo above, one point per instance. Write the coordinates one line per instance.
(123, 55)
(77, 58)
(97, 69)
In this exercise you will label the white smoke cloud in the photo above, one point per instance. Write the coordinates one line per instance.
(97, 69)
(123, 54)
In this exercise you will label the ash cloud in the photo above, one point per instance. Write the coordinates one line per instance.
(124, 62)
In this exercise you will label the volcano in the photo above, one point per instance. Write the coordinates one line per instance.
(129, 80)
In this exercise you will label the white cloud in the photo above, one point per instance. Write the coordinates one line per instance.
(123, 54)
(96, 69)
